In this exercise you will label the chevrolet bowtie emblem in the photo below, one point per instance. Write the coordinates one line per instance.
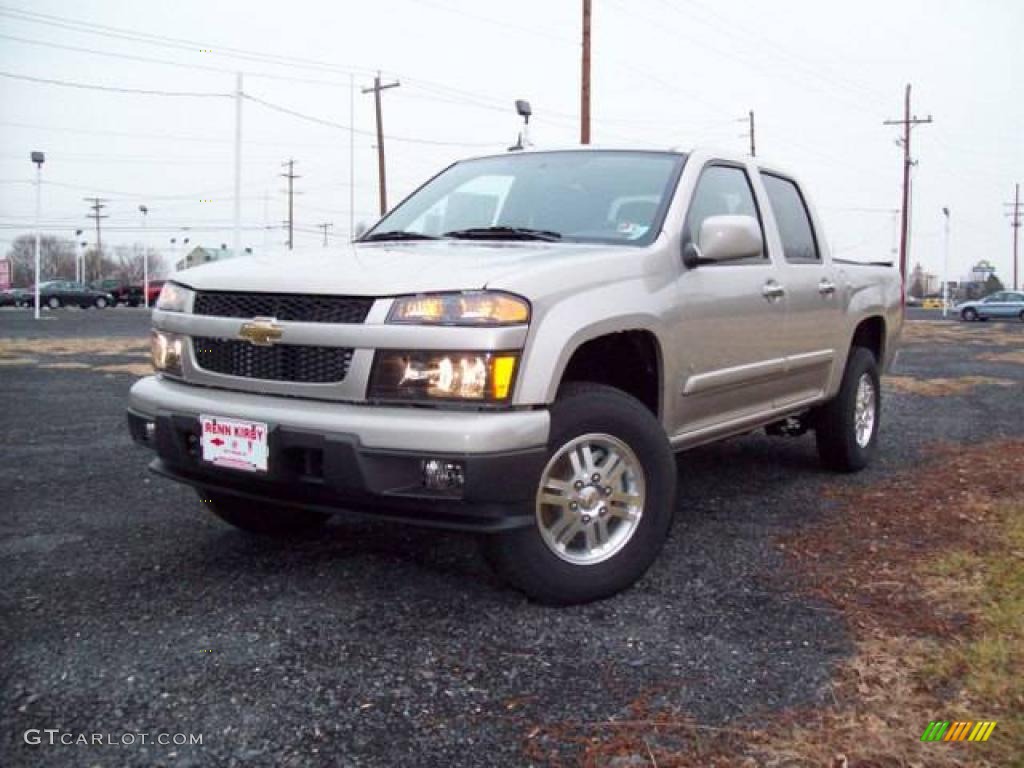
(262, 331)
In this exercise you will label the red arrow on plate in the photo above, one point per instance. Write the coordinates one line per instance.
(217, 441)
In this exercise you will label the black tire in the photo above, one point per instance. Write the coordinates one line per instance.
(1022, 317)
(969, 315)
(524, 559)
(836, 423)
(100, 303)
(53, 302)
(261, 518)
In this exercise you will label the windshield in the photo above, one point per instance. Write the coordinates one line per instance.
(578, 196)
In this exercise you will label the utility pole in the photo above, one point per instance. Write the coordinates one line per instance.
(749, 120)
(351, 157)
(237, 239)
(1015, 216)
(291, 197)
(38, 158)
(945, 265)
(909, 121)
(585, 79)
(325, 226)
(381, 173)
(144, 210)
(98, 204)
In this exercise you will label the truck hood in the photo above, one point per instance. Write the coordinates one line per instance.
(388, 269)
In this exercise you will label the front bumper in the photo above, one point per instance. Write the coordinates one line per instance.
(360, 458)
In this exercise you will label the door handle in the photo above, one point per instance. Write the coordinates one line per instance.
(826, 287)
(773, 291)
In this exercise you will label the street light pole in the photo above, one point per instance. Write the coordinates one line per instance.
(38, 158)
(945, 267)
(145, 259)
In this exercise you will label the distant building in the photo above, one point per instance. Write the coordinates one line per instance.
(200, 255)
(923, 283)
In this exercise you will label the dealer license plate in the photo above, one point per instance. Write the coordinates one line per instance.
(234, 443)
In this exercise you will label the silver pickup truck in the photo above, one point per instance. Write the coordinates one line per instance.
(519, 348)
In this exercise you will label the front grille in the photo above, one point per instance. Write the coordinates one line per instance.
(282, 362)
(283, 306)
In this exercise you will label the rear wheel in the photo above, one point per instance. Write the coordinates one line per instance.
(847, 426)
(604, 501)
(262, 518)
(969, 315)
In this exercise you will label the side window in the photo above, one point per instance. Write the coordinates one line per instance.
(795, 229)
(722, 190)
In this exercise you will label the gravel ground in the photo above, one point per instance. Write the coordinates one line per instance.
(128, 609)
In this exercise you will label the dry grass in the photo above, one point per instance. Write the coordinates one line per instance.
(136, 369)
(938, 387)
(82, 346)
(984, 334)
(928, 571)
(1016, 356)
(18, 361)
(66, 365)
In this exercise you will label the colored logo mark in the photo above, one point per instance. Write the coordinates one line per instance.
(939, 730)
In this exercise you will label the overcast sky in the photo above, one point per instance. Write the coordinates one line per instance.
(820, 75)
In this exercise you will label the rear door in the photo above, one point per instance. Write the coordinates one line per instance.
(730, 336)
(814, 306)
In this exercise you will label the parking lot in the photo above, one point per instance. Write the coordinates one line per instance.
(129, 609)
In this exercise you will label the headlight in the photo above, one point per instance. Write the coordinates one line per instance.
(475, 376)
(471, 308)
(166, 350)
(174, 297)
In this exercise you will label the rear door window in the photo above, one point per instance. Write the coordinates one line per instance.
(793, 220)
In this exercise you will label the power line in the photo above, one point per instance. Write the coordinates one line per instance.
(343, 127)
(110, 89)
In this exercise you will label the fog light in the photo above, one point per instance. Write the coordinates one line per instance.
(441, 475)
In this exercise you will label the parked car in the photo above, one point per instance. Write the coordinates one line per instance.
(66, 293)
(1003, 304)
(154, 290)
(16, 297)
(930, 303)
(518, 349)
(123, 292)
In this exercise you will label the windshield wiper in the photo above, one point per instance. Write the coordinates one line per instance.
(398, 234)
(504, 233)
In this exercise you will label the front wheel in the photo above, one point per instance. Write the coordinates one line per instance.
(969, 315)
(53, 302)
(101, 303)
(603, 505)
(260, 518)
(847, 426)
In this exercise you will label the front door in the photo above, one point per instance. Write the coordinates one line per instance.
(730, 337)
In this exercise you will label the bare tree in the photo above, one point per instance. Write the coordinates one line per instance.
(57, 259)
(128, 263)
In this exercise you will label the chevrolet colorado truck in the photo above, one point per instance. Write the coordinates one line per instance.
(520, 348)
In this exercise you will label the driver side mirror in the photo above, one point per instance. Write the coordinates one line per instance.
(723, 239)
